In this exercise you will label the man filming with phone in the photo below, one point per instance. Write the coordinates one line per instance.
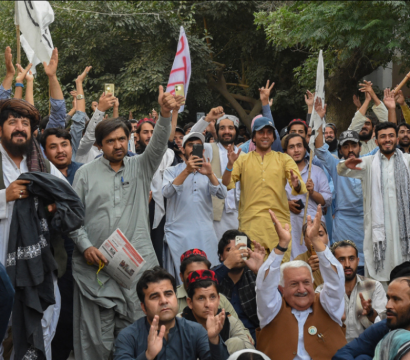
(189, 188)
(317, 185)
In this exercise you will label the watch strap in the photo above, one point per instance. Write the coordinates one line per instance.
(280, 248)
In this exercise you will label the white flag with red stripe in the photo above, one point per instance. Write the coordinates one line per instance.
(181, 68)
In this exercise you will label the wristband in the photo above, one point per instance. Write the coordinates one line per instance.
(370, 314)
(280, 248)
(230, 170)
(19, 85)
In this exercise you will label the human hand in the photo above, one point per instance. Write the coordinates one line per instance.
(255, 257)
(283, 232)
(313, 261)
(73, 93)
(51, 68)
(150, 197)
(155, 114)
(116, 103)
(312, 230)
(214, 325)
(310, 186)
(215, 114)
(22, 72)
(17, 190)
(366, 86)
(8, 59)
(29, 76)
(264, 93)
(232, 156)
(309, 98)
(194, 163)
(83, 75)
(168, 102)
(352, 163)
(206, 168)
(294, 207)
(94, 105)
(366, 305)
(52, 208)
(94, 256)
(389, 99)
(318, 108)
(235, 256)
(294, 180)
(399, 98)
(106, 102)
(270, 102)
(155, 339)
(356, 102)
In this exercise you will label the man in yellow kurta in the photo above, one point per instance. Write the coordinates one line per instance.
(263, 174)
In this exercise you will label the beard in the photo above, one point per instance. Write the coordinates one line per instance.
(17, 149)
(366, 137)
(352, 276)
(226, 142)
(404, 144)
(388, 152)
(402, 321)
(142, 146)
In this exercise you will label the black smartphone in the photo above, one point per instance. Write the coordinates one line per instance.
(198, 150)
(301, 204)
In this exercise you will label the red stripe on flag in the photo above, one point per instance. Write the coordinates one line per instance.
(182, 46)
(185, 68)
(179, 69)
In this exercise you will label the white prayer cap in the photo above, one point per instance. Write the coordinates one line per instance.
(236, 354)
(192, 135)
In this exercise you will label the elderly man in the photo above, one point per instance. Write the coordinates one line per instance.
(301, 325)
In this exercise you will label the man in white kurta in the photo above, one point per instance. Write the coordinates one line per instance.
(362, 169)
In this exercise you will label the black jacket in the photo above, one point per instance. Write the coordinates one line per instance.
(30, 261)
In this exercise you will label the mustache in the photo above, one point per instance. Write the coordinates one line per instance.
(17, 132)
(299, 294)
(391, 313)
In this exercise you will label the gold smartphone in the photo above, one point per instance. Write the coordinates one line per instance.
(179, 90)
(109, 89)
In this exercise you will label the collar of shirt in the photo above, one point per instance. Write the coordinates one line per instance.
(181, 292)
(385, 158)
(107, 162)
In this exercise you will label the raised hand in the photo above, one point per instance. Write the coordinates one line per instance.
(309, 98)
(155, 114)
(399, 97)
(206, 168)
(312, 230)
(214, 325)
(29, 76)
(255, 257)
(321, 111)
(389, 99)
(215, 114)
(283, 232)
(313, 262)
(235, 256)
(356, 102)
(51, 68)
(83, 75)
(8, 59)
(168, 102)
(106, 102)
(366, 86)
(193, 164)
(22, 72)
(352, 163)
(264, 93)
(232, 156)
(155, 339)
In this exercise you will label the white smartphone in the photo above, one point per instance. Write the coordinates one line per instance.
(241, 240)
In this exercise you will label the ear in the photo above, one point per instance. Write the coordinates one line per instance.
(189, 302)
(377, 143)
(280, 287)
(137, 136)
(181, 277)
(143, 308)
(1, 131)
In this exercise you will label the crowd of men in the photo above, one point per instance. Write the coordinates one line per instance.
(237, 263)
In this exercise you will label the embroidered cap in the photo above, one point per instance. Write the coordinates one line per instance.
(193, 252)
(201, 275)
(233, 118)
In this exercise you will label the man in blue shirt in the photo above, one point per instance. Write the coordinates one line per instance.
(177, 338)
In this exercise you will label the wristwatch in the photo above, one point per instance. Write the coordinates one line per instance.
(80, 97)
(280, 248)
(299, 184)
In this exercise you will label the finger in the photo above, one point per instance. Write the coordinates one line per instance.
(161, 91)
(20, 182)
(239, 151)
(101, 256)
(271, 87)
(94, 258)
(28, 67)
(361, 297)
(318, 216)
(161, 332)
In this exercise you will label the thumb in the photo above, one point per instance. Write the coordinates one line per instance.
(161, 91)
(44, 64)
(239, 151)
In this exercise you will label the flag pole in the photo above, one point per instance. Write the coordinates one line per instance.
(307, 195)
(16, 20)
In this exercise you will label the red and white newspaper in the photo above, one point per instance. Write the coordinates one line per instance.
(124, 262)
